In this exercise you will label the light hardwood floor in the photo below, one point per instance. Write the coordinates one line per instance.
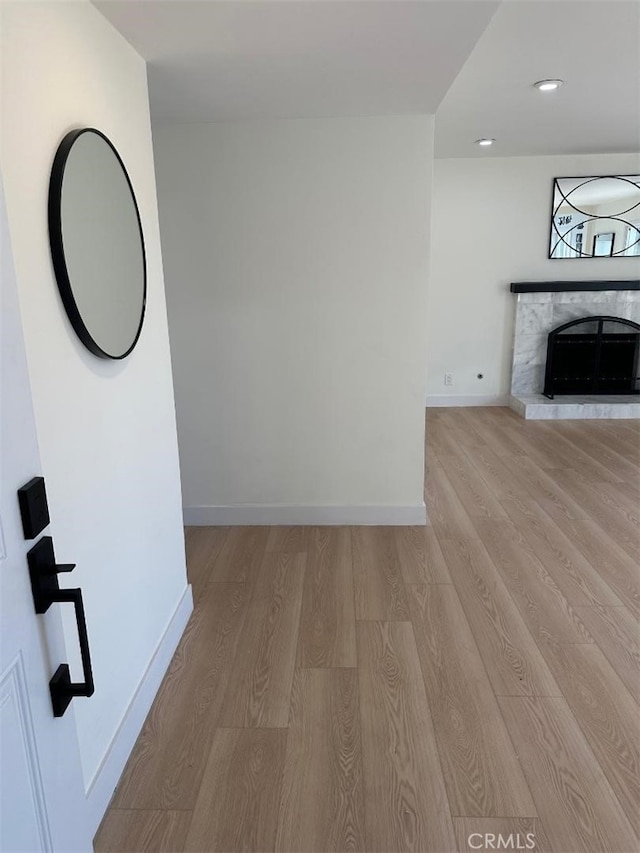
(413, 689)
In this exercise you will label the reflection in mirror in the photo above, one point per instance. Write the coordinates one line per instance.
(603, 245)
(595, 217)
(96, 244)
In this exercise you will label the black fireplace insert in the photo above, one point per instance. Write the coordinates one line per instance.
(593, 355)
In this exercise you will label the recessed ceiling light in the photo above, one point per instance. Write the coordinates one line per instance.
(485, 142)
(548, 85)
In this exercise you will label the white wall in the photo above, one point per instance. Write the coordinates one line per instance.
(106, 429)
(490, 226)
(296, 258)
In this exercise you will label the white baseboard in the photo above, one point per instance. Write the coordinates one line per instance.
(108, 773)
(442, 400)
(271, 514)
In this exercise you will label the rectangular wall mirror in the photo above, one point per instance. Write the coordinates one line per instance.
(595, 217)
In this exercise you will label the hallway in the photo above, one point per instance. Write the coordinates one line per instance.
(413, 689)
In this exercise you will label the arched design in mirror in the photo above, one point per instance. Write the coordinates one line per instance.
(97, 244)
(595, 217)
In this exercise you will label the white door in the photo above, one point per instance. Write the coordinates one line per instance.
(42, 795)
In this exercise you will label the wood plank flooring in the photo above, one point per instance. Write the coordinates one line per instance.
(469, 685)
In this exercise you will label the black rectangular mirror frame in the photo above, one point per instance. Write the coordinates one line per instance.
(629, 214)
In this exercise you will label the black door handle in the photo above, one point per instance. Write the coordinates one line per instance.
(43, 572)
(62, 688)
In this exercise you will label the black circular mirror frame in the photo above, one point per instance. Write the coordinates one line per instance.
(57, 243)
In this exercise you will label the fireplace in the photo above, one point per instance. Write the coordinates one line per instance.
(593, 355)
(591, 374)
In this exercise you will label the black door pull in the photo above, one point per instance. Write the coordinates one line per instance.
(44, 572)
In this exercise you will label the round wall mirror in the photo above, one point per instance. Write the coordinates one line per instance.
(97, 245)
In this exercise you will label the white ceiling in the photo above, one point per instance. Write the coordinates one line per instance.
(593, 46)
(213, 60)
(244, 59)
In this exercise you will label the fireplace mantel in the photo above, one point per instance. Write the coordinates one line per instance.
(572, 286)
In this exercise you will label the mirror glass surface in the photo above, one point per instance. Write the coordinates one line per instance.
(97, 244)
(596, 217)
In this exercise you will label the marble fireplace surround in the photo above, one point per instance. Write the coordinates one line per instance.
(541, 307)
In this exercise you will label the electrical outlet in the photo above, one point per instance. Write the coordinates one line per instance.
(448, 379)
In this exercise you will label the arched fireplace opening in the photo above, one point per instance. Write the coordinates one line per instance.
(593, 355)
